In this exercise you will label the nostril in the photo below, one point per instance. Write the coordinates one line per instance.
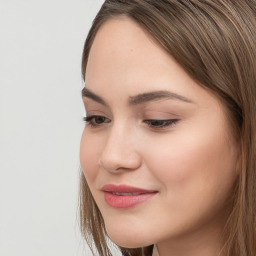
(121, 162)
(120, 151)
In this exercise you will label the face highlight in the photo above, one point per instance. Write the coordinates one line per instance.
(150, 126)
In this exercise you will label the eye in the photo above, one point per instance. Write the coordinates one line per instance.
(159, 124)
(95, 121)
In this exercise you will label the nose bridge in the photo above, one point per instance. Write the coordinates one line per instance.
(120, 151)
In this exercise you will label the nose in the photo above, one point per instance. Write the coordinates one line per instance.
(120, 152)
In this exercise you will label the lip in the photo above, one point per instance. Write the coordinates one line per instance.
(124, 196)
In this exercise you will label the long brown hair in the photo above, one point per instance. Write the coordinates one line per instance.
(215, 42)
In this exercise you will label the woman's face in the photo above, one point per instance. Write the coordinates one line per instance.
(157, 150)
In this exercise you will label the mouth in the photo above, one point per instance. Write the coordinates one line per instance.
(123, 196)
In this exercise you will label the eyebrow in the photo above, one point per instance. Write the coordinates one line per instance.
(156, 95)
(88, 94)
(140, 98)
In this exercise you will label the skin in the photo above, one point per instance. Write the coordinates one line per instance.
(191, 163)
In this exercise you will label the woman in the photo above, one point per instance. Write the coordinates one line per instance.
(168, 149)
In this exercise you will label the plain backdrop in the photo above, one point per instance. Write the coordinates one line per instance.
(41, 111)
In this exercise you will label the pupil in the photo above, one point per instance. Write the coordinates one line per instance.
(99, 119)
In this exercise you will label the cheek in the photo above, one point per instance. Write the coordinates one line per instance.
(193, 163)
(89, 156)
(196, 175)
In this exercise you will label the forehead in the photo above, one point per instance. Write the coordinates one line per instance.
(126, 60)
(118, 34)
(122, 44)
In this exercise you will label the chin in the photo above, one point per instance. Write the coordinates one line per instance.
(128, 242)
(127, 238)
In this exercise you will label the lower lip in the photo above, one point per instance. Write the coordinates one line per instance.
(127, 201)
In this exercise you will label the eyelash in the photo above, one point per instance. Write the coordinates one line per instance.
(91, 120)
(152, 123)
(160, 124)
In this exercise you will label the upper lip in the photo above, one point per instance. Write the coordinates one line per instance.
(125, 189)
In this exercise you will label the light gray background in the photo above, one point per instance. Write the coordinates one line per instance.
(40, 125)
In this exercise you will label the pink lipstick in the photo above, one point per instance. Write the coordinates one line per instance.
(123, 196)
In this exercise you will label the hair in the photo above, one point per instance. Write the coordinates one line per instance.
(214, 41)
